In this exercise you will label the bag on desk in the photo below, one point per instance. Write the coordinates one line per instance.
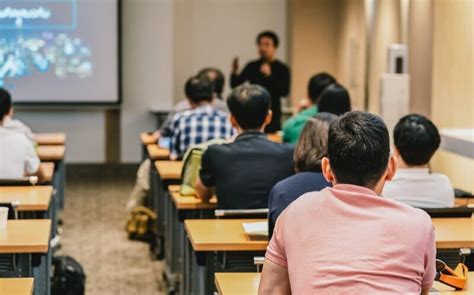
(192, 164)
(141, 224)
(68, 277)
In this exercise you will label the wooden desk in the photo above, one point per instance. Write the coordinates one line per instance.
(248, 283)
(223, 235)
(464, 201)
(156, 152)
(26, 236)
(169, 170)
(454, 232)
(191, 203)
(16, 286)
(228, 283)
(275, 137)
(49, 153)
(48, 169)
(147, 138)
(50, 138)
(30, 198)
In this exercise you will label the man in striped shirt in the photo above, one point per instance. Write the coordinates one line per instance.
(202, 122)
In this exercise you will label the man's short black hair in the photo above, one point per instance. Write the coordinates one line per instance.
(249, 104)
(317, 84)
(335, 99)
(416, 139)
(199, 89)
(358, 149)
(5, 103)
(269, 34)
(217, 78)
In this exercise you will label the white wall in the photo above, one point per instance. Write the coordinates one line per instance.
(147, 43)
(163, 43)
(213, 32)
(85, 131)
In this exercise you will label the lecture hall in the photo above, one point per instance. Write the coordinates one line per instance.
(236, 147)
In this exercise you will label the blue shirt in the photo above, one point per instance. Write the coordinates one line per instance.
(290, 189)
(197, 126)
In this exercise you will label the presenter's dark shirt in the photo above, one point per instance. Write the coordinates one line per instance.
(245, 171)
(277, 84)
(290, 189)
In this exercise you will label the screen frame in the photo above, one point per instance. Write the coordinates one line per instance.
(86, 104)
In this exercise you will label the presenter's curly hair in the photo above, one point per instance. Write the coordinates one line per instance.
(269, 34)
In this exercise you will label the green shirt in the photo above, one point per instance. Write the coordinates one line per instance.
(293, 126)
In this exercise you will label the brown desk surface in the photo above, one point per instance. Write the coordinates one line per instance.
(223, 235)
(50, 138)
(156, 152)
(190, 202)
(247, 283)
(16, 286)
(169, 170)
(48, 169)
(237, 283)
(51, 152)
(464, 201)
(275, 137)
(26, 236)
(454, 232)
(229, 235)
(147, 138)
(30, 198)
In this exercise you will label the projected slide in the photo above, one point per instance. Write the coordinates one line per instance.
(59, 50)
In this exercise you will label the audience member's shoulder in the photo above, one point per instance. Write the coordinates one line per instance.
(411, 214)
(17, 137)
(306, 202)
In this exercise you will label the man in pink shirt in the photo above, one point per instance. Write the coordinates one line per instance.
(347, 239)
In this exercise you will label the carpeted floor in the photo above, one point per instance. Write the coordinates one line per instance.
(93, 233)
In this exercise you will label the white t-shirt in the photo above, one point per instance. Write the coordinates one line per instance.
(18, 126)
(419, 188)
(17, 155)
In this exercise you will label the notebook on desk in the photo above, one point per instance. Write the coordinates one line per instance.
(256, 228)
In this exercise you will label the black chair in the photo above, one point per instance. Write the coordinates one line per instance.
(24, 181)
(454, 212)
(244, 213)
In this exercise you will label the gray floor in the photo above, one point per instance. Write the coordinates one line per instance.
(93, 233)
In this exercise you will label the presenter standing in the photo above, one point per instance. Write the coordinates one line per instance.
(268, 72)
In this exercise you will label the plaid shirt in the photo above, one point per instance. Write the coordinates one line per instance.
(197, 126)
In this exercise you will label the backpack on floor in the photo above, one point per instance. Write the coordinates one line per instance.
(141, 224)
(68, 277)
(192, 164)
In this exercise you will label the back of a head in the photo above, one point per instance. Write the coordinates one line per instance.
(5, 103)
(416, 139)
(312, 144)
(216, 77)
(199, 89)
(249, 104)
(335, 99)
(358, 149)
(317, 84)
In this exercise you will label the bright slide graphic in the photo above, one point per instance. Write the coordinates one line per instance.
(51, 48)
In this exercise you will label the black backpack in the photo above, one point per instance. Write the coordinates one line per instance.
(68, 277)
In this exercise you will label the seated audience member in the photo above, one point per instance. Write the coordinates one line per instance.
(244, 172)
(18, 157)
(416, 140)
(292, 128)
(13, 124)
(347, 239)
(218, 80)
(335, 100)
(198, 125)
(311, 148)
